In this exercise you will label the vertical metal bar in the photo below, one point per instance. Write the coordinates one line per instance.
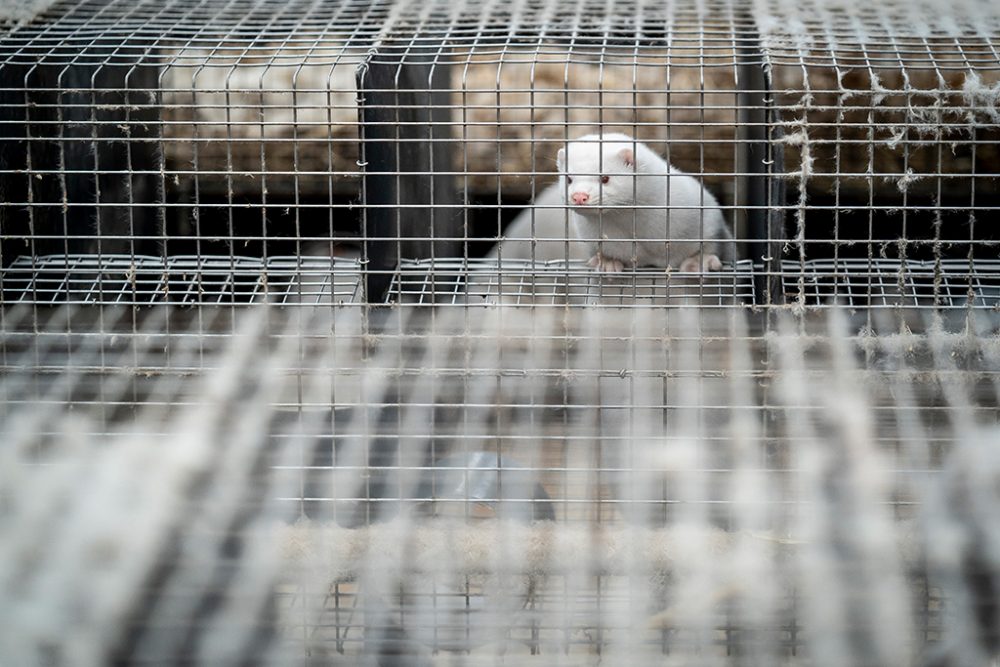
(409, 193)
(762, 195)
(13, 157)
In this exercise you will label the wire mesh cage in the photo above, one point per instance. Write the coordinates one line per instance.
(546, 332)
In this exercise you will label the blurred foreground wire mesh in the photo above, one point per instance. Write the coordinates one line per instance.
(496, 486)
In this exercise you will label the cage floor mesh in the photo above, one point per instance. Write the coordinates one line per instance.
(522, 282)
(188, 280)
(945, 285)
(881, 283)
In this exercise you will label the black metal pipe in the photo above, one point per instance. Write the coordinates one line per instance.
(763, 191)
(404, 112)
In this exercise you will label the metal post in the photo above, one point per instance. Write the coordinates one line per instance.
(408, 191)
(762, 159)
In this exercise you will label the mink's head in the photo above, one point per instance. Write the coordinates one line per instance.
(597, 172)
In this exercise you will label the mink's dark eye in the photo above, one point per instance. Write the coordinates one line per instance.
(569, 179)
(605, 179)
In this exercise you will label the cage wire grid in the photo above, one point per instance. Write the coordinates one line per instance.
(303, 361)
(440, 511)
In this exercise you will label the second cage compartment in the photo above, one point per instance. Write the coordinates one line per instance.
(476, 107)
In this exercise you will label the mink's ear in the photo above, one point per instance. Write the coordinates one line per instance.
(561, 159)
(627, 156)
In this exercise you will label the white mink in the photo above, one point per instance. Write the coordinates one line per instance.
(603, 177)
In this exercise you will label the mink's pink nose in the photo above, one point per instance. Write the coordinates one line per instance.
(580, 198)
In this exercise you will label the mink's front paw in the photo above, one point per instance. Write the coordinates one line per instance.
(602, 263)
(699, 262)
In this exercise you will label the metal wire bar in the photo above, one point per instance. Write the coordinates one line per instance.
(304, 355)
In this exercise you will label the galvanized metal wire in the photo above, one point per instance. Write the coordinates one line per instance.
(284, 380)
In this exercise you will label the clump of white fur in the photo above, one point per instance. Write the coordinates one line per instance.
(627, 207)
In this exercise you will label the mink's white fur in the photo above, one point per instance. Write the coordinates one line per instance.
(647, 213)
(608, 178)
(543, 232)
